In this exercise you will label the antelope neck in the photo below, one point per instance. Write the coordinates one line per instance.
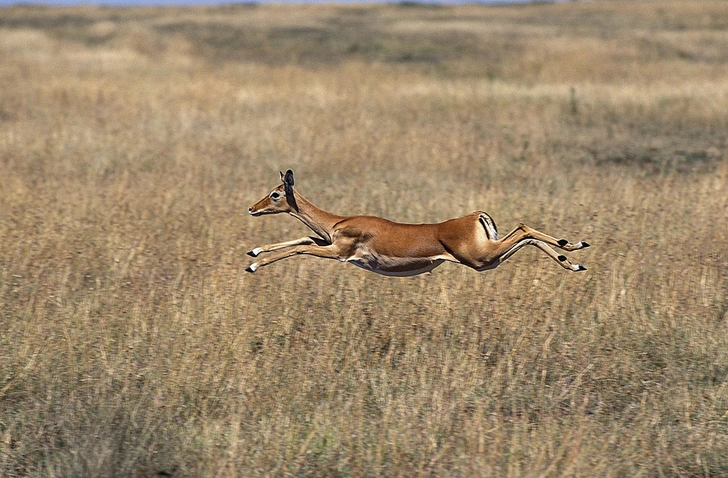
(318, 220)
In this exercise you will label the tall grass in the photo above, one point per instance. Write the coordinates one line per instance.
(132, 142)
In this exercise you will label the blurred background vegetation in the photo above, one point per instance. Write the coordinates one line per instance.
(132, 141)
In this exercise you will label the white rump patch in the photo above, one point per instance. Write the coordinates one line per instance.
(489, 227)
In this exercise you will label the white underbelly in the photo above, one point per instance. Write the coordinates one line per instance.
(397, 270)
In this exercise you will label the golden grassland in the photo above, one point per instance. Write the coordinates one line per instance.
(132, 141)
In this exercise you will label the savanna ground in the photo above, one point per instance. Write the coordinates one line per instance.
(132, 141)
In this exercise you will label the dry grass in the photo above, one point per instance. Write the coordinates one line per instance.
(132, 142)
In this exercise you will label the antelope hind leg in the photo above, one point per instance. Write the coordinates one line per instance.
(526, 232)
(560, 259)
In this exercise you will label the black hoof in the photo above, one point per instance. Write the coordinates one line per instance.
(562, 258)
(563, 242)
(251, 254)
(585, 244)
(249, 269)
(580, 268)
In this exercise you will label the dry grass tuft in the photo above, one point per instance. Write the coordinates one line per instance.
(133, 140)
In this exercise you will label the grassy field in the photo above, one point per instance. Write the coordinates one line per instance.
(132, 141)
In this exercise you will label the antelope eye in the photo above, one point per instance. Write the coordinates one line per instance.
(275, 196)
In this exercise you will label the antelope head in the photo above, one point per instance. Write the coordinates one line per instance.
(280, 199)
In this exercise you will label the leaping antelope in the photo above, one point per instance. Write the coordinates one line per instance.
(396, 249)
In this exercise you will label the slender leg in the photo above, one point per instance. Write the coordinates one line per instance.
(560, 259)
(330, 252)
(283, 245)
(522, 231)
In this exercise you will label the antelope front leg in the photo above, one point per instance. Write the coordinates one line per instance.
(283, 245)
(330, 252)
(522, 232)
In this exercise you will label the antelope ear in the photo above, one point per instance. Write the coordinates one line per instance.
(288, 179)
(288, 187)
(281, 175)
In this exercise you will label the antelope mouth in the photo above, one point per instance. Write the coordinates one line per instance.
(254, 213)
